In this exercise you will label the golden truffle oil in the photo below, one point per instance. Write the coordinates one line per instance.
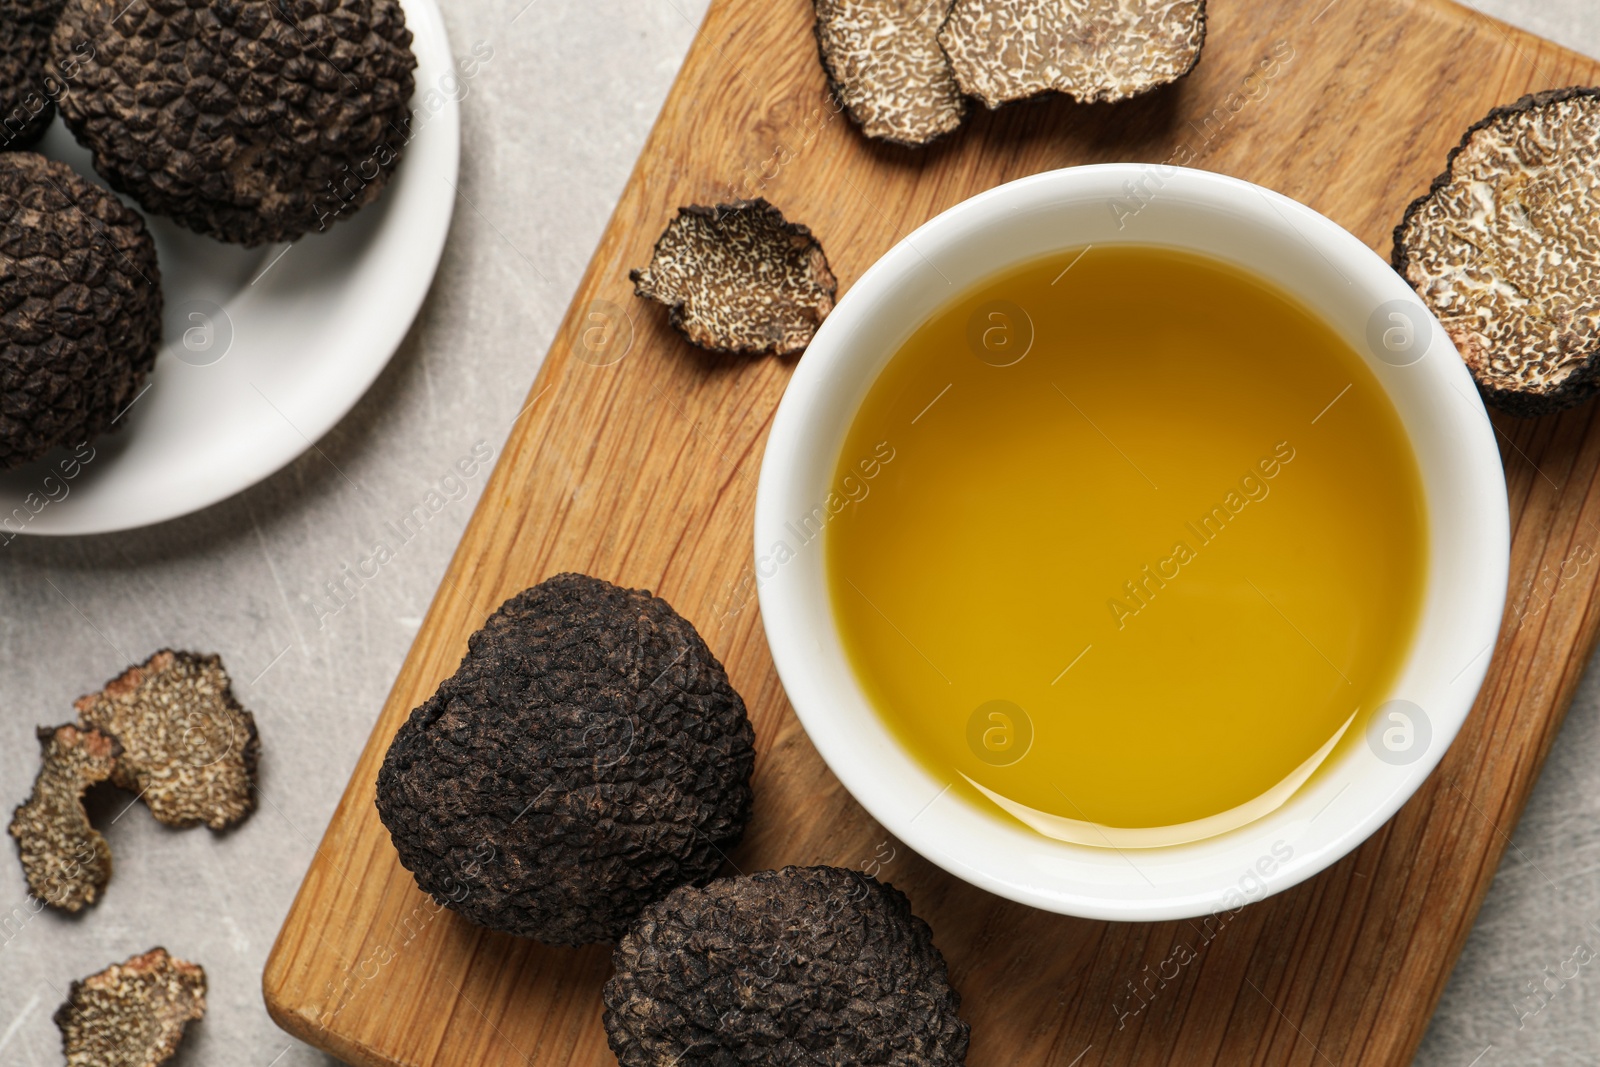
(1150, 541)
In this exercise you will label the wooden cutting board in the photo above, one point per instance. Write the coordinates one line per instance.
(643, 471)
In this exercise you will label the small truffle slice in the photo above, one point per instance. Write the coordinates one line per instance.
(1505, 250)
(740, 279)
(803, 967)
(26, 108)
(132, 1014)
(1092, 50)
(587, 757)
(884, 64)
(66, 861)
(188, 749)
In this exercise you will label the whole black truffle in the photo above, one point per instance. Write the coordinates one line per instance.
(586, 758)
(803, 967)
(80, 307)
(248, 120)
(26, 103)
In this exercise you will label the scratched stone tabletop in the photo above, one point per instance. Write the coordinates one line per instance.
(552, 124)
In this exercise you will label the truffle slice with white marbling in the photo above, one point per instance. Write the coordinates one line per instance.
(1505, 250)
(1092, 50)
(66, 861)
(740, 279)
(132, 1014)
(886, 68)
(188, 748)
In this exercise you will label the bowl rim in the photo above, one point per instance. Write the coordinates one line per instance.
(1086, 886)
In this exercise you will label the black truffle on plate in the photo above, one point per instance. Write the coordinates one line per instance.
(1092, 50)
(250, 120)
(1505, 249)
(26, 105)
(80, 307)
(586, 758)
(740, 279)
(803, 967)
(886, 68)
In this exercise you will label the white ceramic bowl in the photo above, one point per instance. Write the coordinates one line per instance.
(1333, 274)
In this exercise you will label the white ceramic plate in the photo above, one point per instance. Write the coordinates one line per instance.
(1343, 282)
(265, 349)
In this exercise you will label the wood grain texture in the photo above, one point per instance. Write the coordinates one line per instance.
(644, 472)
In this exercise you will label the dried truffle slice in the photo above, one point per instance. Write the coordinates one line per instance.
(803, 967)
(249, 121)
(1092, 50)
(1505, 249)
(740, 279)
(26, 107)
(188, 749)
(586, 758)
(132, 1014)
(66, 861)
(80, 307)
(886, 68)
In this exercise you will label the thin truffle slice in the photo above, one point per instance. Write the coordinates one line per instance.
(66, 861)
(188, 749)
(132, 1014)
(740, 279)
(1505, 250)
(26, 107)
(803, 967)
(1092, 50)
(886, 68)
(587, 757)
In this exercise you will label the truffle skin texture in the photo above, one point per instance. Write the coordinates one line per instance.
(740, 279)
(247, 120)
(132, 1014)
(26, 108)
(188, 749)
(1096, 51)
(586, 758)
(803, 967)
(80, 307)
(886, 68)
(1505, 250)
(66, 861)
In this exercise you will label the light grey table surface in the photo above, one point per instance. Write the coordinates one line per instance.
(552, 125)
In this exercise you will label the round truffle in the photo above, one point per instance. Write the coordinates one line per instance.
(588, 757)
(80, 307)
(26, 104)
(248, 120)
(1505, 250)
(803, 967)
